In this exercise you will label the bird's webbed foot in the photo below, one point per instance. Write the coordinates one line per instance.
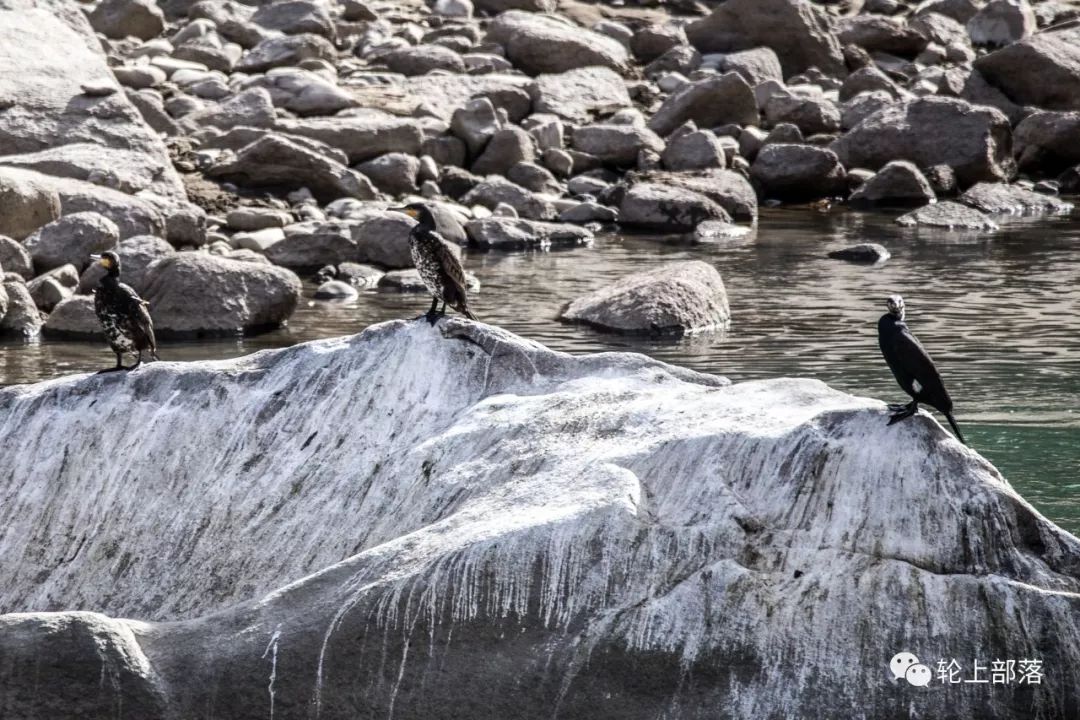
(432, 317)
(110, 370)
(907, 412)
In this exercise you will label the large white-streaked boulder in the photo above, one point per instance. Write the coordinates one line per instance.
(674, 299)
(26, 203)
(426, 517)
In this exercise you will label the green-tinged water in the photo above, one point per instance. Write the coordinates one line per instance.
(998, 311)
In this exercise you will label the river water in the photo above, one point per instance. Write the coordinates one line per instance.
(998, 311)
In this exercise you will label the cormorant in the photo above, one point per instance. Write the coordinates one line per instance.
(438, 267)
(123, 314)
(912, 367)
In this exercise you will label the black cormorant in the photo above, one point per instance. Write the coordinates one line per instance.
(123, 314)
(912, 366)
(438, 267)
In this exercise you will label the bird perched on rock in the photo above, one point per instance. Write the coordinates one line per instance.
(439, 268)
(912, 367)
(124, 315)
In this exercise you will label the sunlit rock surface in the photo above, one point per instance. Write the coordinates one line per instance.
(422, 522)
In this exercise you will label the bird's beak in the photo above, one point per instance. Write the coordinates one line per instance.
(405, 211)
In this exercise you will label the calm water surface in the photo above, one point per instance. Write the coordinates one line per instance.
(999, 312)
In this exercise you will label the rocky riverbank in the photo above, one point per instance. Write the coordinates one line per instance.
(234, 146)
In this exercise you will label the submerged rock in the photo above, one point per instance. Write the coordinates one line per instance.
(870, 253)
(674, 299)
(419, 516)
(1002, 199)
(949, 215)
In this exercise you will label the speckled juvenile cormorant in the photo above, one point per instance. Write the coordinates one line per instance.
(912, 367)
(123, 314)
(438, 267)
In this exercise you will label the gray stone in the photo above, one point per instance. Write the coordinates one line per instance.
(898, 183)
(280, 162)
(257, 218)
(617, 145)
(652, 41)
(881, 34)
(708, 102)
(358, 275)
(534, 177)
(800, 36)
(494, 190)
(314, 244)
(71, 239)
(1047, 141)
(797, 172)
(507, 147)
(1001, 22)
(253, 107)
(579, 94)
(755, 65)
(25, 203)
(14, 258)
(664, 208)
(862, 106)
(948, 215)
(868, 79)
(1002, 199)
(868, 253)
(421, 59)
(587, 212)
(383, 240)
(122, 18)
(1042, 70)
(727, 188)
(199, 294)
(475, 124)
(232, 20)
(47, 292)
(139, 76)
(679, 60)
(695, 150)
(975, 141)
(959, 10)
(281, 50)
(674, 299)
(22, 317)
(296, 16)
(393, 173)
(545, 44)
(74, 317)
(362, 136)
(258, 241)
(810, 114)
(303, 92)
(514, 234)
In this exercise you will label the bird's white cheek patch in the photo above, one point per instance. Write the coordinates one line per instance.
(916, 386)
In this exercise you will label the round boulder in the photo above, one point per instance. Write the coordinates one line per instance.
(675, 299)
(201, 294)
(71, 239)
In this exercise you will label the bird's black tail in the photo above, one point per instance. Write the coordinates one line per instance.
(955, 428)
